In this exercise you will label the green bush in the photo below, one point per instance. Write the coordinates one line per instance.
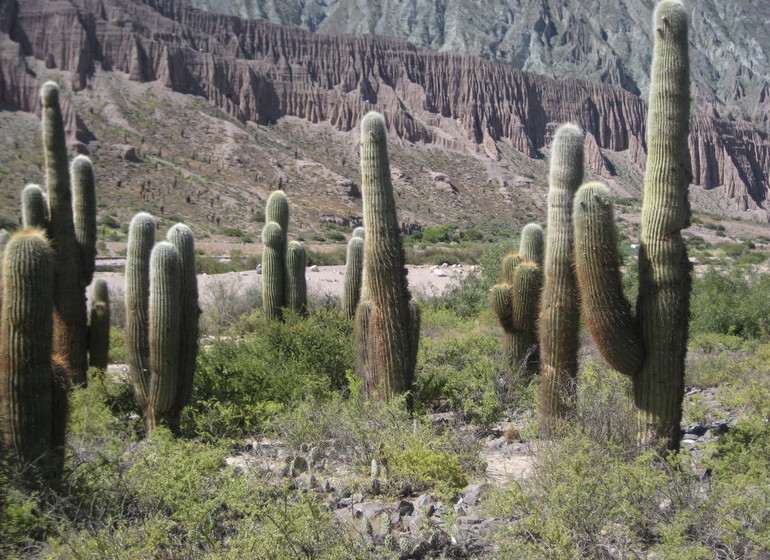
(435, 234)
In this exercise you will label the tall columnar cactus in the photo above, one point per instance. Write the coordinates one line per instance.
(515, 301)
(99, 325)
(4, 237)
(164, 333)
(70, 336)
(387, 322)
(84, 214)
(354, 267)
(650, 347)
(161, 319)
(26, 418)
(296, 286)
(272, 270)
(559, 319)
(34, 207)
(277, 210)
(141, 238)
(181, 237)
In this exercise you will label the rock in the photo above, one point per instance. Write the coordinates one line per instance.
(405, 508)
(315, 268)
(473, 492)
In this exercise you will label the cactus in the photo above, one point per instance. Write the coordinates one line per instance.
(559, 303)
(359, 233)
(277, 210)
(161, 319)
(650, 347)
(34, 207)
(295, 296)
(99, 325)
(272, 270)
(26, 416)
(70, 336)
(164, 333)
(141, 238)
(181, 237)
(354, 266)
(4, 237)
(387, 323)
(84, 214)
(515, 299)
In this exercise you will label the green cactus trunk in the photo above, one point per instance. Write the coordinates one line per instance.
(34, 207)
(296, 285)
(99, 326)
(70, 336)
(272, 271)
(25, 348)
(4, 237)
(354, 267)
(387, 325)
(559, 319)
(164, 335)
(651, 347)
(141, 238)
(84, 214)
(531, 244)
(181, 237)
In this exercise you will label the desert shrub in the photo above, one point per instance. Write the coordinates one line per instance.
(435, 234)
(335, 256)
(240, 383)
(225, 300)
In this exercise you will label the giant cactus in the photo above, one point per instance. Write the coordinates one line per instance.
(99, 325)
(650, 347)
(387, 322)
(559, 304)
(295, 297)
(515, 299)
(272, 270)
(354, 266)
(73, 256)
(26, 414)
(161, 320)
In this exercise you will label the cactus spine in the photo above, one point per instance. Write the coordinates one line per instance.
(161, 319)
(354, 266)
(26, 418)
(387, 324)
(71, 274)
(272, 270)
(99, 325)
(559, 319)
(296, 286)
(650, 347)
(514, 301)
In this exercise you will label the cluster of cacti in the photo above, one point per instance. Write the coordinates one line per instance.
(32, 408)
(649, 347)
(283, 263)
(161, 319)
(559, 318)
(387, 320)
(515, 302)
(69, 218)
(354, 270)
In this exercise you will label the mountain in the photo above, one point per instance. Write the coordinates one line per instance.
(608, 41)
(202, 114)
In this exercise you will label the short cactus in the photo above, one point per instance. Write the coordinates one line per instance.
(354, 267)
(34, 207)
(560, 304)
(295, 296)
(387, 323)
(26, 414)
(99, 325)
(650, 347)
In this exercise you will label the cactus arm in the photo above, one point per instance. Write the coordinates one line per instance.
(277, 210)
(508, 266)
(272, 270)
(525, 297)
(181, 237)
(362, 338)
(500, 302)
(664, 269)
(141, 238)
(385, 285)
(296, 285)
(99, 325)
(607, 313)
(531, 244)
(164, 315)
(354, 264)
(359, 232)
(34, 207)
(84, 214)
(558, 323)
(4, 237)
(70, 337)
(25, 346)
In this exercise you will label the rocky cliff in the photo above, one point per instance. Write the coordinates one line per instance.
(260, 71)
